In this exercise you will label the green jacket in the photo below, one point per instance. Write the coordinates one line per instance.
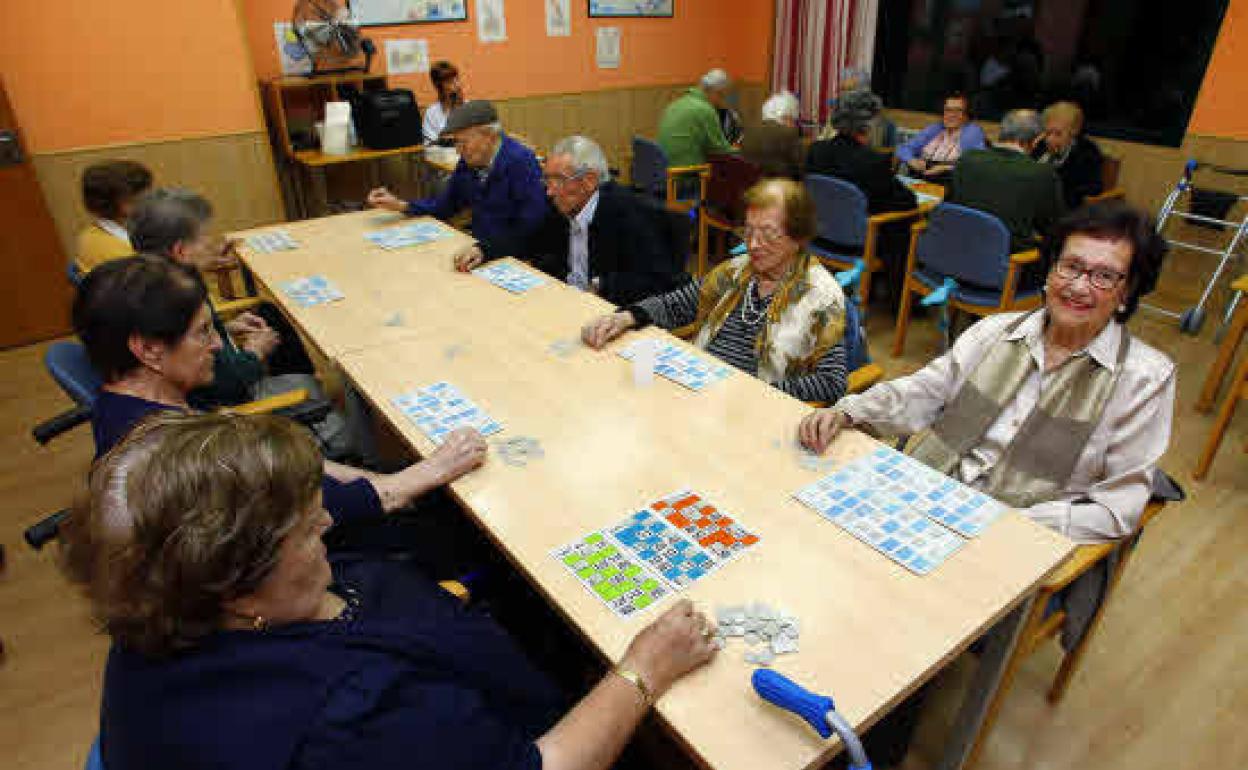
(689, 130)
(235, 373)
(1024, 194)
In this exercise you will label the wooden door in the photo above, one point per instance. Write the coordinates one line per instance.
(34, 290)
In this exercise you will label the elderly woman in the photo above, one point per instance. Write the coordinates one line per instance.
(775, 145)
(109, 191)
(148, 332)
(1079, 162)
(237, 642)
(1059, 412)
(934, 151)
(774, 312)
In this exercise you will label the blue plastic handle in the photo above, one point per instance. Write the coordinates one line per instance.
(778, 689)
(849, 278)
(940, 295)
(738, 250)
(1189, 167)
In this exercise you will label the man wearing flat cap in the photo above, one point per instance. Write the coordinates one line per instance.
(497, 177)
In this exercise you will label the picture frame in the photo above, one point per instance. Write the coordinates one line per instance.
(385, 13)
(631, 9)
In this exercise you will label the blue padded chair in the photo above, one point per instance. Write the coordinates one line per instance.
(965, 253)
(652, 174)
(846, 233)
(68, 364)
(95, 761)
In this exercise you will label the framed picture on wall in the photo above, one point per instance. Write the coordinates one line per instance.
(375, 13)
(618, 8)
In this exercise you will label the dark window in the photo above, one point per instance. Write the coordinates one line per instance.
(1135, 66)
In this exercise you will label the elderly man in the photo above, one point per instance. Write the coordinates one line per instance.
(1078, 160)
(690, 128)
(599, 236)
(497, 177)
(1005, 181)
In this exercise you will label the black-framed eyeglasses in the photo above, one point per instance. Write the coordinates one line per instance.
(1100, 277)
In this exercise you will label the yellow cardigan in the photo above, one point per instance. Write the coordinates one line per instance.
(97, 246)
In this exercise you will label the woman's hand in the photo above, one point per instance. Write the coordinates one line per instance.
(245, 323)
(468, 258)
(381, 198)
(818, 428)
(461, 451)
(603, 329)
(262, 342)
(670, 647)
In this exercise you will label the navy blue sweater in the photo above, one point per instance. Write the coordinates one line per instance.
(506, 208)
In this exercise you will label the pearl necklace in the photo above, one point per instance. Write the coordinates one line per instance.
(751, 315)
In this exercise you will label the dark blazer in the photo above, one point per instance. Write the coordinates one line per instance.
(1024, 194)
(845, 158)
(506, 207)
(774, 148)
(1081, 172)
(629, 252)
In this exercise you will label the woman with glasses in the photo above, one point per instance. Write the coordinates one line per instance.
(1059, 412)
(934, 151)
(774, 312)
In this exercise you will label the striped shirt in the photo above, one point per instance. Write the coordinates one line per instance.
(736, 339)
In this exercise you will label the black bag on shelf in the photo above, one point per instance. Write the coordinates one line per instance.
(386, 119)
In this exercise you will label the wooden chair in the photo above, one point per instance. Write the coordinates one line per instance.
(845, 229)
(973, 249)
(1238, 392)
(1230, 344)
(1110, 168)
(652, 174)
(1045, 623)
(723, 202)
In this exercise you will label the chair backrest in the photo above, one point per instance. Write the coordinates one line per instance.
(68, 364)
(840, 210)
(649, 168)
(856, 353)
(965, 244)
(1110, 169)
(675, 228)
(731, 176)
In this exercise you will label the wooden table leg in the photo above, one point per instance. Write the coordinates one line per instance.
(1226, 354)
(1233, 397)
(320, 191)
(999, 644)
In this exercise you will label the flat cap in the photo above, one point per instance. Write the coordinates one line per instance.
(475, 113)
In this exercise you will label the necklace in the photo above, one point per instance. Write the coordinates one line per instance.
(351, 602)
(752, 315)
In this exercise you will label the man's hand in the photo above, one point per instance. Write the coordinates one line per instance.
(381, 198)
(468, 258)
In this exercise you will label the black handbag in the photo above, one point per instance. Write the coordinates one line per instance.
(386, 119)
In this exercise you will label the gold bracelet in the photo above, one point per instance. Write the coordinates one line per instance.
(629, 675)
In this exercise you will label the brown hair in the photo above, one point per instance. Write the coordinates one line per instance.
(188, 512)
(793, 199)
(441, 73)
(105, 185)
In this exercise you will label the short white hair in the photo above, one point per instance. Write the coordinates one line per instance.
(780, 107)
(715, 80)
(586, 156)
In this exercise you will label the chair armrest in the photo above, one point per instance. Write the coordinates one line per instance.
(685, 332)
(701, 168)
(1240, 283)
(919, 227)
(1083, 559)
(67, 420)
(1116, 193)
(864, 377)
(271, 404)
(456, 589)
(1025, 257)
(877, 220)
(234, 307)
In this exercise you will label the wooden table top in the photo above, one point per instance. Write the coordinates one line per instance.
(871, 631)
(317, 159)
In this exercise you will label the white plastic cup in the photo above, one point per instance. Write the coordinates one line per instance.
(643, 363)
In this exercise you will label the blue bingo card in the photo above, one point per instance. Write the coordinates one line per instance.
(311, 291)
(663, 548)
(896, 477)
(681, 366)
(509, 276)
(413, 234)
(270, 241)
(441, 408)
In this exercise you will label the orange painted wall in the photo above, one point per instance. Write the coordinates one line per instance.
(84, 73)
(733, 34)
(1221, 109)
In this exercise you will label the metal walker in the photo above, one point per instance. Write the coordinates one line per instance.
(1191, 319)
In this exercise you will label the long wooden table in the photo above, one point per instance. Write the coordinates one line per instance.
(871, 631)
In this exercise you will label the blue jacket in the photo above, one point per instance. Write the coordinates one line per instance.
(971, 138)
(506, 208)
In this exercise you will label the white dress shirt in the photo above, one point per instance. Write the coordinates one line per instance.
(578, 244)
(1112, 479)
(113, 228)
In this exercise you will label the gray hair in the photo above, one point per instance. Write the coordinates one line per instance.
(496, 127)
(780, 107)
(715, 80)
(1020, 127)
(587, 157)
(165, 217)
(854, 112)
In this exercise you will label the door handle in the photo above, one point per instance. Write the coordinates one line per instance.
(10, 149)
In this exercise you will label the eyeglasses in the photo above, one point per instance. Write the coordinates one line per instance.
(1100, 277)
(559, 180)
(765, 234)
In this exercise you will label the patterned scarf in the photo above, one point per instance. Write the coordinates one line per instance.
(1041, 458)
(805, 319)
